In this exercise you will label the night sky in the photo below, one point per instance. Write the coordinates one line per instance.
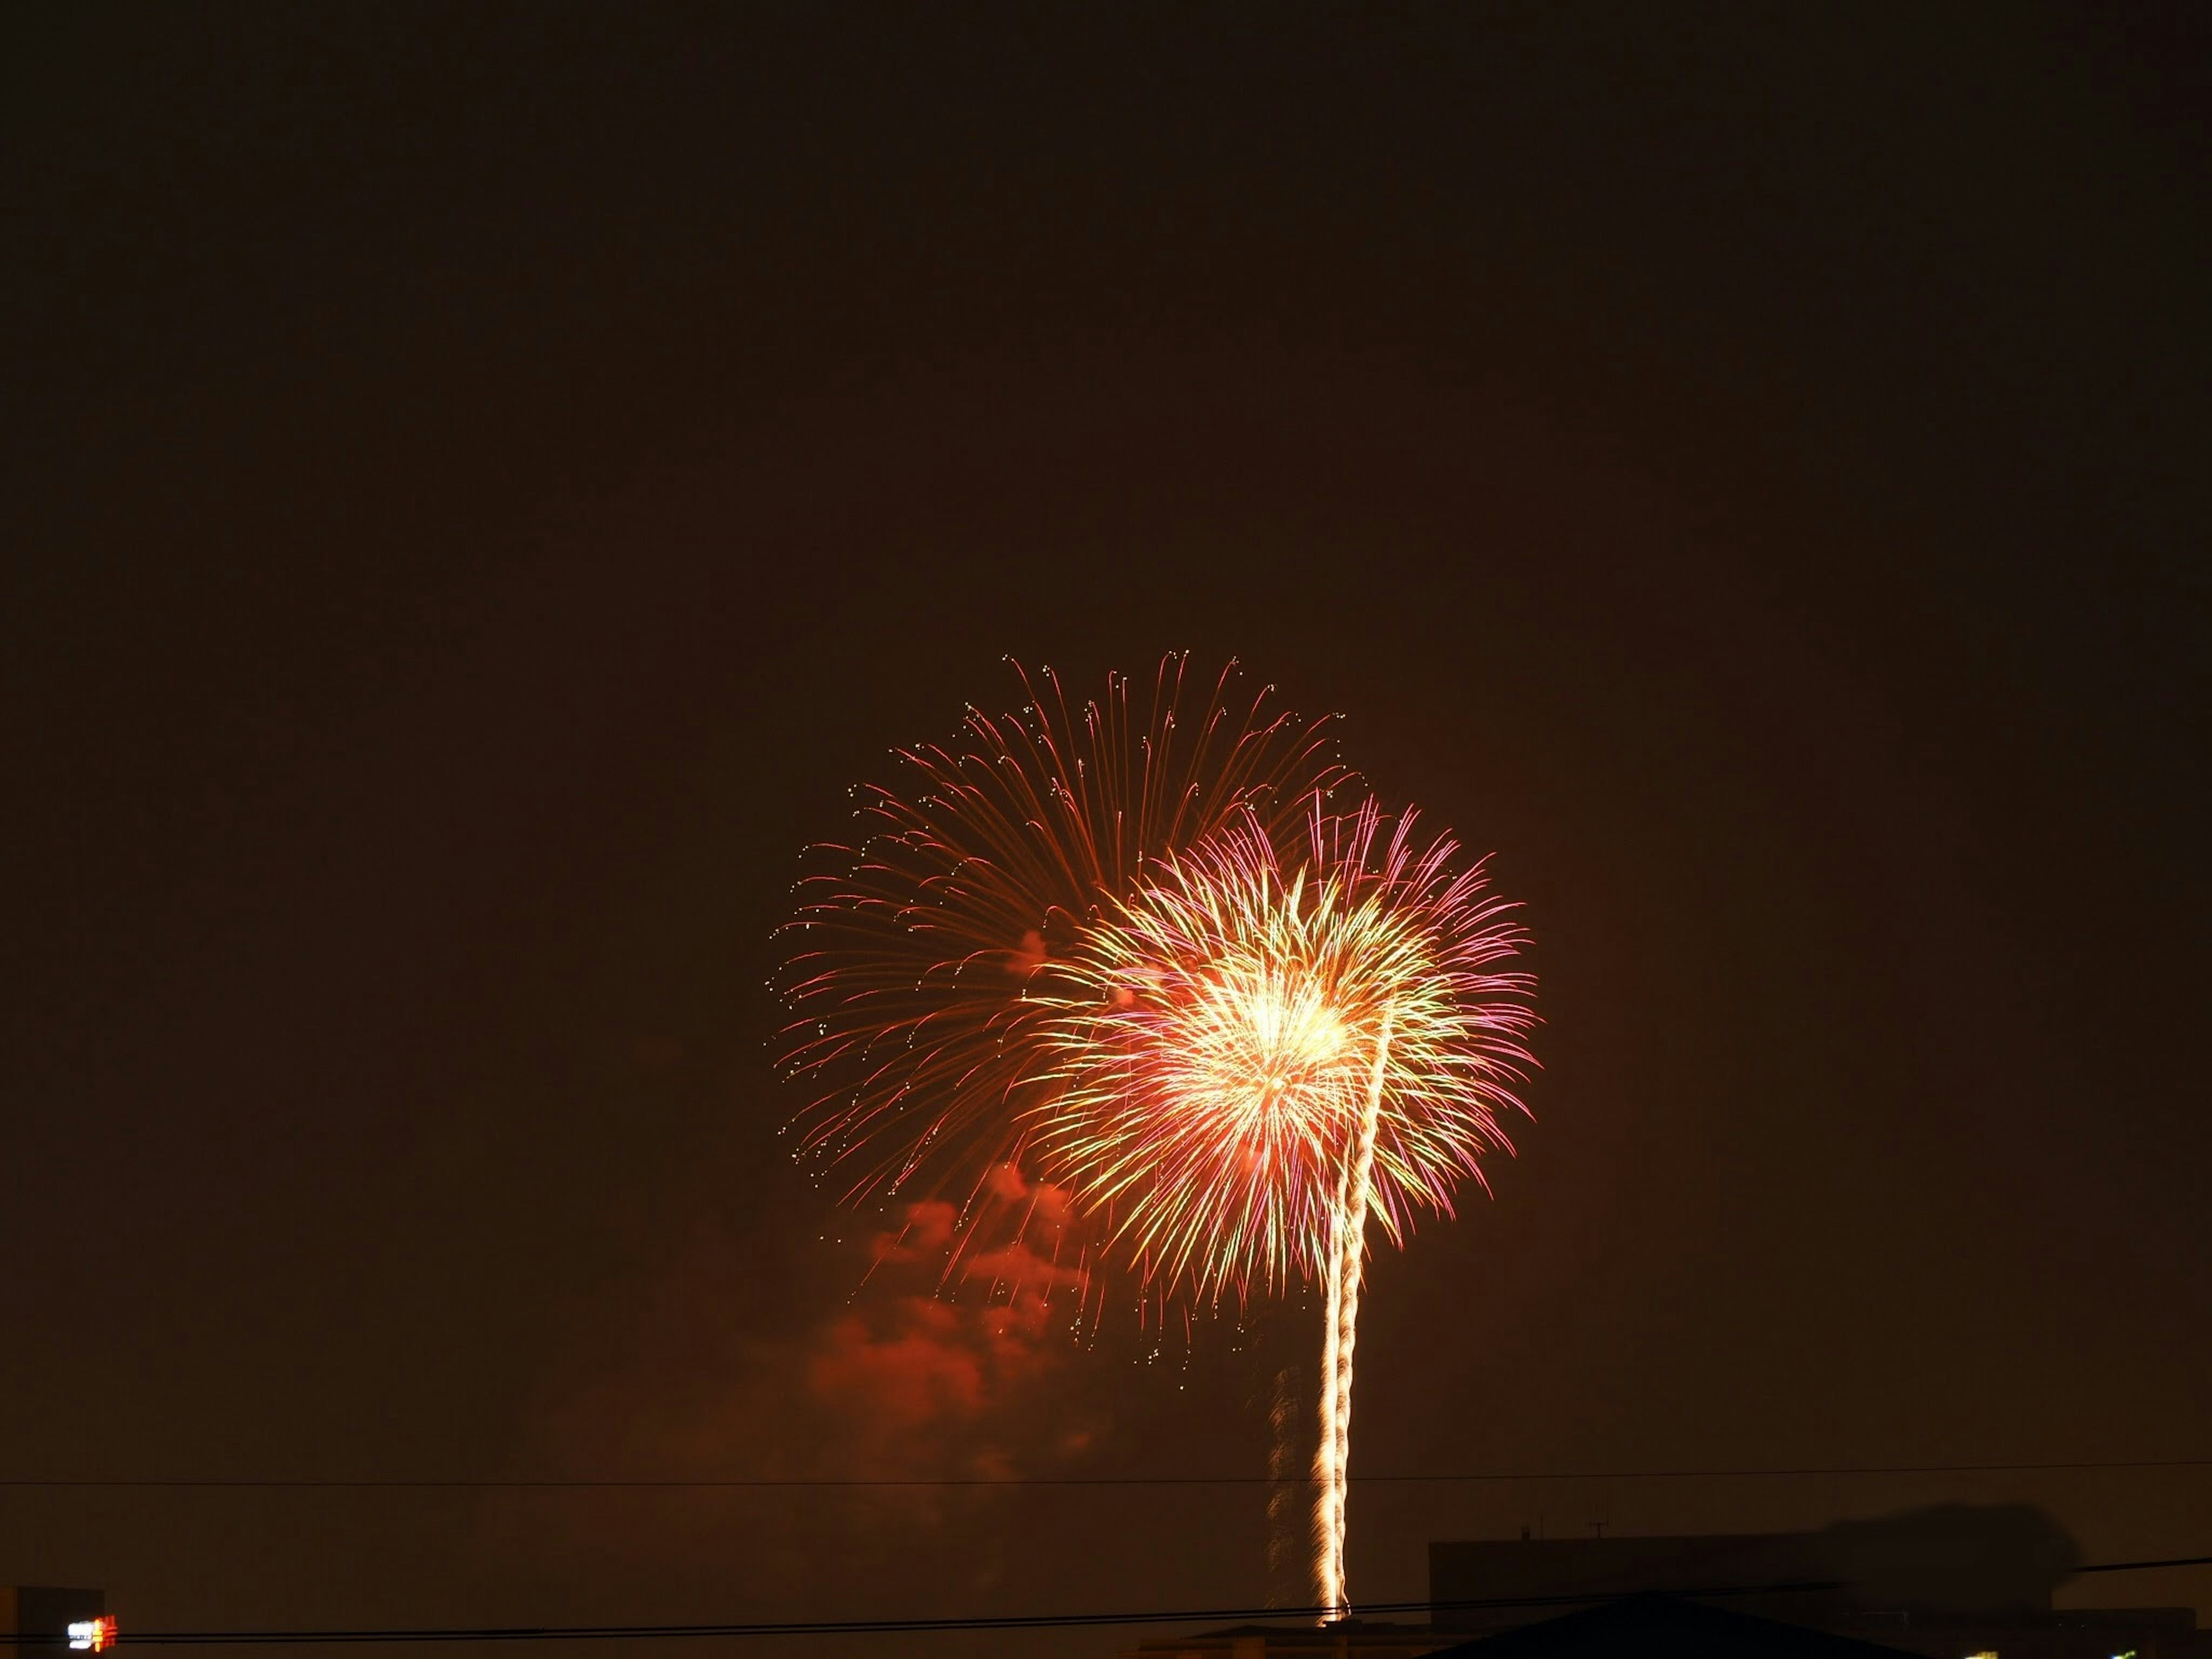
(482, 484)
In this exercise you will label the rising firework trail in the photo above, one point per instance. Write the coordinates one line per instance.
(923, 955)
(1272, 1041)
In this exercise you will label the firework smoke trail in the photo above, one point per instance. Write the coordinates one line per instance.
(1256, 1059)
(920, 963)
(1286, 1493)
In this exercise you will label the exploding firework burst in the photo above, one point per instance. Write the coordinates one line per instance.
(1217, 1059)
(1257, 1052)
(920, 963)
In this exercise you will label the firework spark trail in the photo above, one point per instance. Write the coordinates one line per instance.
(1327, 1546)
(1342, 1315)
(1254, 1061)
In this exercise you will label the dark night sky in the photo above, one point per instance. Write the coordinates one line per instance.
(482, 484)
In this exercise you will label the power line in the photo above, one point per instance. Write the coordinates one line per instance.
(886, 1626)
(776, 1483)
(849, 1626)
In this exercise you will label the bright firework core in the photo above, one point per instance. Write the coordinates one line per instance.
(1266, 1053)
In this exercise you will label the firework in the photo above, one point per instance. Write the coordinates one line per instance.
(1143, 955)
(920, 960)
(1257, 1052)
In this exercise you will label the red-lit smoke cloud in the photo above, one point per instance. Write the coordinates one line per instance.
(971, 1322)
(947, 1353)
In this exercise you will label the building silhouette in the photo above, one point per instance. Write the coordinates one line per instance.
(1950, 1583)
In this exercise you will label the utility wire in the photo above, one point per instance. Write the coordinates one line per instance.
(1010, 1621)
(747, 1484)
(847, 1626)
(2142, 1566)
